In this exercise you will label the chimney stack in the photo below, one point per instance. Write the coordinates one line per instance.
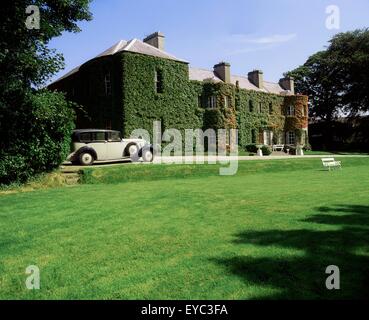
(223, 71)
(288, 83)
(256, 77)
(156, 40)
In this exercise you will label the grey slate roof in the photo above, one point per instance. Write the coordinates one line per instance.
(134, 45)
(138, 46)
(203, 74)
(243, 81)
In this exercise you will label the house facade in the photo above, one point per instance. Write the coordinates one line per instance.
(136, 82)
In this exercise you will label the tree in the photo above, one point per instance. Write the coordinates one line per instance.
(35, 125)
(337, 79)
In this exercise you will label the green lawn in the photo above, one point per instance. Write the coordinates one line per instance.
(184, 232)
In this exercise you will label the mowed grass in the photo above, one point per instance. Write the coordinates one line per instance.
(139, 232)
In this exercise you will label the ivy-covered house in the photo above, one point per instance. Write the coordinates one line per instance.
(136, 82)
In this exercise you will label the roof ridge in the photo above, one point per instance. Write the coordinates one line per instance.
(130, 44)
(271, 82)
(118, 46)
(197, 68)
(157, 49)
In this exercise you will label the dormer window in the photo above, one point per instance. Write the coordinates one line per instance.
(158, 79)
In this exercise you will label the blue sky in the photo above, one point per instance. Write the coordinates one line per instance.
(274, 36)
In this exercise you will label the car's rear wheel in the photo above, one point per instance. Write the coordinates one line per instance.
(147, 155)
(86, 159)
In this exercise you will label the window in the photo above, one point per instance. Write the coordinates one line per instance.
(251, 106)
(158, 79)
(199, 101)
(114, 136)
(270, 108)
(85, 137)
(212, 102)
(98, 136)
(290, 110)
(260, 107)
(107, 84)
(227, 102)
(268, 137)
(304, 112)
(291, 138)
(253, 136)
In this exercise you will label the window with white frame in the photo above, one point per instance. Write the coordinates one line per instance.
(291, 137)
(304, 111)
(227, 102)
(291, 110)
(212, 102)
(107, 84)
(158, 79)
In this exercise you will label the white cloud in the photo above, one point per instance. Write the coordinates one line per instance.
(272, 39)
(248, 49)
(236, 42)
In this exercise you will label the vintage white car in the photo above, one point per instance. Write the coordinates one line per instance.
(90, 145)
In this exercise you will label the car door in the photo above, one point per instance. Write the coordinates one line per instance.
(115, 146)
(100, 145)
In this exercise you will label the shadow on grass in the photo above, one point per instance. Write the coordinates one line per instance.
(302, 276)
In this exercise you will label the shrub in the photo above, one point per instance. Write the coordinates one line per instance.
(267, 151)
(37, 138)
(252, 148)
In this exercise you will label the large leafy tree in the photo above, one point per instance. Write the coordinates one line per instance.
(337, 79)
(35, 124)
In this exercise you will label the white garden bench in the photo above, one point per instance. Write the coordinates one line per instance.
(331, 163)
(277, 147)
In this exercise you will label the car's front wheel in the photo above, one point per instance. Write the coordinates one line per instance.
(147, 155)
(86, 159)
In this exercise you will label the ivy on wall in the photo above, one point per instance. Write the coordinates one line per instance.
(266, 114)
(176, 107)
(182, 104)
